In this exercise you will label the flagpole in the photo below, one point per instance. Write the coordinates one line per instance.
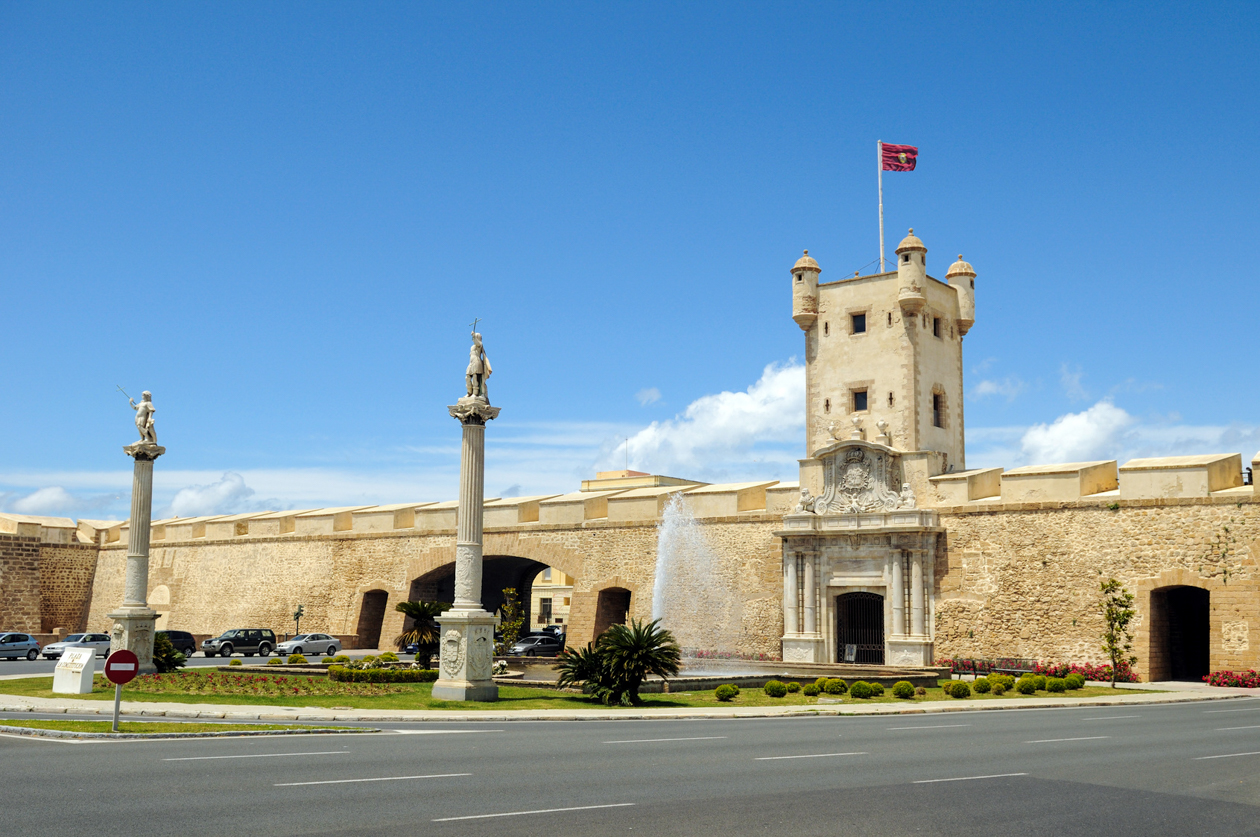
(879, 170)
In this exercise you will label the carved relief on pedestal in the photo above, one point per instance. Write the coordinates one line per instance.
(862, 478)
(481, 652)
(452, 653)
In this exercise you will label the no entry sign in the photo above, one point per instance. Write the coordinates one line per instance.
(121, 667)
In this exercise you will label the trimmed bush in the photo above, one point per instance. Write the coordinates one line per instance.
(793, 687)
(1074, 681)
(342, 674)
(1026, 686)
(388, 657)
(919, 691)
(999, 688)
(274, 661)
(877, 689)
(903, 689)
(1055, 684)
(861, 690)
(821, 683)
(774, 689)
(811, 690)
(981, 686)
(959, 689)
(235, 663)
(835, 686)
(726, 692)
(297, 660)
(341, 658)
(326, 660)
(1040, 680)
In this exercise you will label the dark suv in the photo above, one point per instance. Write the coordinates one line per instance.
(247, 641)
(183, 642)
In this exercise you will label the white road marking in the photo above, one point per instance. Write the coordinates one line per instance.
(260, 756)
(654, 740)
(1111, 717)
(539, 811)
(1215, 711)
(1056, 740)
(440, 731)
(941, 726)
(382, 779)
(967, 778)
(810, 756)
(1228, 729)
(1226, 756)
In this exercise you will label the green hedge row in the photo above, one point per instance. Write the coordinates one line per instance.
(381, 675)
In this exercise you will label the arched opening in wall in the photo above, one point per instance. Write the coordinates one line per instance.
(860, 628)
(371, 615)
(1180, 633)
(612, 606)
(498, 572)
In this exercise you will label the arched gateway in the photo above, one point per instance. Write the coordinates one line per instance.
(1180, 633)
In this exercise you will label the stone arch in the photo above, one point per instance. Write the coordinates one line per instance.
(1167, 607)
(373, 603)
(619, 599)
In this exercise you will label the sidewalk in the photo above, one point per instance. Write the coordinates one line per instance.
(1176, 693)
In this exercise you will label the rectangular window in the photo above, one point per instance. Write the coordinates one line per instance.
(936, 326)
(859, 400)
(547, 574)
(544, 611)
(859, 323)
(938, 409)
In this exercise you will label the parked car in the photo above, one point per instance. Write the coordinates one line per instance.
(16, 646)
(183, 641)
(310, 644)
(247, 641)
(536, 645)
(100, 642)
(555, 630)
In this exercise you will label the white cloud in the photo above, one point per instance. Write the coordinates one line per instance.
(46, 501)
(228, 495)
(728, 431)
(1009, 387)
(648, 396)
(1071, 381)
(1097, 433)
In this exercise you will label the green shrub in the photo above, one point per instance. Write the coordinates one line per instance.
(811, 690)
(235, 663)
(834, 686)
(919, 691)
(793, 687)
(726, 692)
(342, 674)
(1040, 680)
(388, 657)
(326, 660)
(275, 661)
(1026, 686)
(165, 656)
(1074, 681)
(298, 660)
(903, 689)
(774, 689)
(341, 658)
(1056, 684)
(999, 688)
(877, 689)
(861, 690)
(982, 686)
(959, 689)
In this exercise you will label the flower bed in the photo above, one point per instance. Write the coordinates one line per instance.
(342, 674)
(1090, 671)
(261, 685)
(1249, 679)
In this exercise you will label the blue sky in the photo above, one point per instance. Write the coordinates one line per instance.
(281, 218)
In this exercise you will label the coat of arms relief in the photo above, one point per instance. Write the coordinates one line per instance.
(858, 480)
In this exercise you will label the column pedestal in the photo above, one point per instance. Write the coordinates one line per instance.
(133, 630)
(467, 649)
(909, 651)
(804, 648)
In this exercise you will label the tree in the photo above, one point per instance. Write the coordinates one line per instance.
(613, 669)
(511, 620)
(165, 658)
(1117, 610)
(424, 628)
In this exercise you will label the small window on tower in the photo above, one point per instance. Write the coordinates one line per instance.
(826, 405)
(936, 326)
(905, 257)
(890, 318)
(859, 400)
(859, 323)
(826, 329)
(938, 409)
(890, 399)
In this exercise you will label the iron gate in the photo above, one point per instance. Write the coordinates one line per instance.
(860, 622)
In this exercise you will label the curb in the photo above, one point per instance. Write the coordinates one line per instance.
(35, 732)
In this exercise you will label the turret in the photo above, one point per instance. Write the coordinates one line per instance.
(911, 273)
(805, 291)
(962, 277)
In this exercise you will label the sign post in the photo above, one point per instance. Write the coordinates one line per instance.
(121, 667)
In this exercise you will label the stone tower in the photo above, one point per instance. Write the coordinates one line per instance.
(884, 360)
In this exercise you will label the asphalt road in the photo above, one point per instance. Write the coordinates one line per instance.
(42, 666)
(1153, 770)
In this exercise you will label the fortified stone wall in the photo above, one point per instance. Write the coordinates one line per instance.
(1021, 579)
(19, 583)
(65, 576)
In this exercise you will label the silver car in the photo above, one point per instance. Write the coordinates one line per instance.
(100, 642)
(310, 644)
(16, 646)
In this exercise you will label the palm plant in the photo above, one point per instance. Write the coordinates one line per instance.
(629, 654)
(581, 667)
(424, 628)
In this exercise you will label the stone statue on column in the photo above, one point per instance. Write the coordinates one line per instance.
(134, 619)
(466, 641)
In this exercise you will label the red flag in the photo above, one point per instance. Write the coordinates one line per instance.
(899, 157)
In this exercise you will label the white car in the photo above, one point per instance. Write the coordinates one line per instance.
(310, 644)
(100, 642)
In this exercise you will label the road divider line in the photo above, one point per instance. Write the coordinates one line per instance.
(381, 779)
(1230, 729)
(440, 731)
(1111, 718)
(539, 811)
(1227, 756)
(1056, 740)
(967, 778)
(260, 756)
(938, 726)
(807, 756)
(1218, 711)
(655, 740)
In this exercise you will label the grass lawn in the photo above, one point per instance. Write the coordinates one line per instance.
(418, 696)
(157, 726)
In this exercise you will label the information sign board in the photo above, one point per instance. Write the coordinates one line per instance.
(73, 675)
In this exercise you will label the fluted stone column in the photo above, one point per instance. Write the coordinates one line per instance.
(467, 630)
(134, 619)
(918, 623)
(810, 595)
(791, 605)
(898, 594)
